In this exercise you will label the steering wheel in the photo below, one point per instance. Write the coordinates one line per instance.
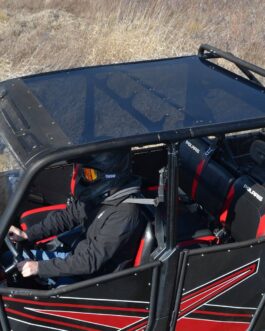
(17, 251)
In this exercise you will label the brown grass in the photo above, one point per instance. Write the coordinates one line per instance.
(42, 35)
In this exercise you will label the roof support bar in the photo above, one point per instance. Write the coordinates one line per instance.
(208, 52)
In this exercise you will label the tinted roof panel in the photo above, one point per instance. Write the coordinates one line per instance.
(123, 100)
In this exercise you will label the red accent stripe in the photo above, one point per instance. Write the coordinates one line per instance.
(43, 241)
(250, 268)
(42, 209)
(195, 299)
(56, 304)
(199, 240)
(221, 314)
(73, 179)
(152, 188)
(46, 320)
(138, 258)
(136, 327)
(261, 227)
(24, 226)
(227, 203)
(192, 324)
(114, 321)
(196, 179)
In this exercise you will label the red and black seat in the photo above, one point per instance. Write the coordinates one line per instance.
(246, 210)
(203, 179)
(239, 204)
(208, 184)
(29, 217)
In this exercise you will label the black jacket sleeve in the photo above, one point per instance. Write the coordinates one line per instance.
(104, 240)
(58, 221)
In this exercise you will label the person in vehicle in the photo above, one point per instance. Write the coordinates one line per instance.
(111, 229)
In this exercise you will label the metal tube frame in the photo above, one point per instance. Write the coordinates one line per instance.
(3, 318)
(209, 52)
(69, 288)
(172, 193)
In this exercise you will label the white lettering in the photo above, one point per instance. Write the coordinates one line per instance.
(193, 147)
(110, 176)
(254, 193)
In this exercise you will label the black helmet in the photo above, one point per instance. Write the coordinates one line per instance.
(100, 173)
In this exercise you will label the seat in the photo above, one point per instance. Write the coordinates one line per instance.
(193, 228)
(246, 211)
(192, 157)
(203, 179)
(146, 246)
(29, 217)
(208, 184)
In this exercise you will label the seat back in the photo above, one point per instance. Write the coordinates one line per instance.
(33, 216)
(202, 178)
(192, 156)
(246, 213)
(146, 246)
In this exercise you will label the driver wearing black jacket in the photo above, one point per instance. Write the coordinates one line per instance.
(111, 228)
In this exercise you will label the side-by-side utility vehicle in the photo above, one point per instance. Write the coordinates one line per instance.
(196, 133)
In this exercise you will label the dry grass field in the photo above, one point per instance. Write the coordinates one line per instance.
(42, 35)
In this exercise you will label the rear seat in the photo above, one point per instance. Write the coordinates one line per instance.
(246, 211)
(239, 204)
(203, 179)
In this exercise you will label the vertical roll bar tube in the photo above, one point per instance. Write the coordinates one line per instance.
(172, 195)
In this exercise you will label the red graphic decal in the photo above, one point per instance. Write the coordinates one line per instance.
(216, 313)
(188, 324)
(138, 327)
(115, 321)
(49, 321)
(77, 306)
(207, 292)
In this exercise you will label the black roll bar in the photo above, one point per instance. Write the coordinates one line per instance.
(210, 52)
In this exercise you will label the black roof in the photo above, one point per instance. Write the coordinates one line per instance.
(177, 97)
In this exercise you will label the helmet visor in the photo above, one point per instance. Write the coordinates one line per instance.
(90, 175)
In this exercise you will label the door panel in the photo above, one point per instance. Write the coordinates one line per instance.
(221, 289)
(118, 304)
